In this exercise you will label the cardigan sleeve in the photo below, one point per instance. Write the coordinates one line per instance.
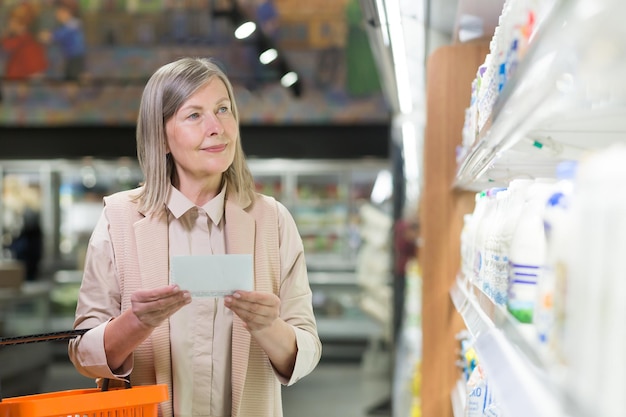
(296, 298)
(98, 303)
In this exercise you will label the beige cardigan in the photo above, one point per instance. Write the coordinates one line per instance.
(141, 252)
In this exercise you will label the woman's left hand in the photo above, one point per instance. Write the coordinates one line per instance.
(258, 310)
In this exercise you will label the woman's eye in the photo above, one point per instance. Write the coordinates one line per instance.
(193, 116)
(223, 109)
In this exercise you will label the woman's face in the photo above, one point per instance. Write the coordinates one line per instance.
(202, 136)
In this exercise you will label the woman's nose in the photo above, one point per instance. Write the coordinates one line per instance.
(214, 125)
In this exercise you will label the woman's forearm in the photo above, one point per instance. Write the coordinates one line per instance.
(279, 343)
(122, 335)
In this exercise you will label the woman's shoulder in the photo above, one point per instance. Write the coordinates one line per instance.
(123, 197)
(122, 207)
(265, 206)
(122, 200)
(264, 199)
(280, 211)
(269, 202)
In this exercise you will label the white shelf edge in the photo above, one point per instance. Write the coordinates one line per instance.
(520, 388)
(481, 314)
(475, 318)
(533, 106)
(528, 378)
(333, 278)
(458, 398)
(343, 328)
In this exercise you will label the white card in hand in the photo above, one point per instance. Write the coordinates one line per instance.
(212, 275)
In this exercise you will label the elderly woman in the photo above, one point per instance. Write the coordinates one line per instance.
(220, 356)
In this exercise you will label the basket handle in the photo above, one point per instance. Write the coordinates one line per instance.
(49, 337)
(105, 384)
(42, 337)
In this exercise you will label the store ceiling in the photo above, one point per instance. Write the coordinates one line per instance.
(402, 35)
(456, 17)
(443, 15)
(426, 25)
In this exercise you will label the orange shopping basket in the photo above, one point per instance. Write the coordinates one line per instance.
(139, 401)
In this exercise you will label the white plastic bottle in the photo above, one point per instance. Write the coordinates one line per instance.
(496, 260)
(482, 263)
(511, 211)
(595, 334)
(473, 260)
(528, 253)
(550, 305)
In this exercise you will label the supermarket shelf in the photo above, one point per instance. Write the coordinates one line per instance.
(521, 388)
(560, 103)
(27, 291)
(478, 320)
(482, 315)
(333, 278)
(526, 380)
(566, 99)
(322, 230)
(24, 311)
(516, 376)
(23, 368)
(458, 397)
(344, 328)
(347, 338)
(304, 203)
(61, 323)
(329, 262)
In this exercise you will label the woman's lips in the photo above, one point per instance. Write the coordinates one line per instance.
(216, 148)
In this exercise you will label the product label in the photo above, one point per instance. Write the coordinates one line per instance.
(522, 292)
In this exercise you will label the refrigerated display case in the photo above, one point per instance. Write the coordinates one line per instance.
(81, 187)
(69, 200)
(24, 310)
(325, 198)
(69, 203)
(565, 101)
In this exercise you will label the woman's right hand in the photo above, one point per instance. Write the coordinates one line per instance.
(148, 309)
(153, 306)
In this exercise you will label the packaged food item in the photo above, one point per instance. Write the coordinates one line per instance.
(476, 393)
(481, 401)
(594, 333)
(528, 252)
(550, 308)
(487, 245)
(472, 255)
(509, 208)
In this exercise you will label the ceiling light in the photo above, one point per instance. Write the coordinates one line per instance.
(245, 30)
(398, 53)
(268, 56)
(382, 16)
(289, 79)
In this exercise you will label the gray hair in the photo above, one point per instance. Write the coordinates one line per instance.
(165, 92)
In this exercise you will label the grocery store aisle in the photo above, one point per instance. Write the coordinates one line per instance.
(334, 389)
